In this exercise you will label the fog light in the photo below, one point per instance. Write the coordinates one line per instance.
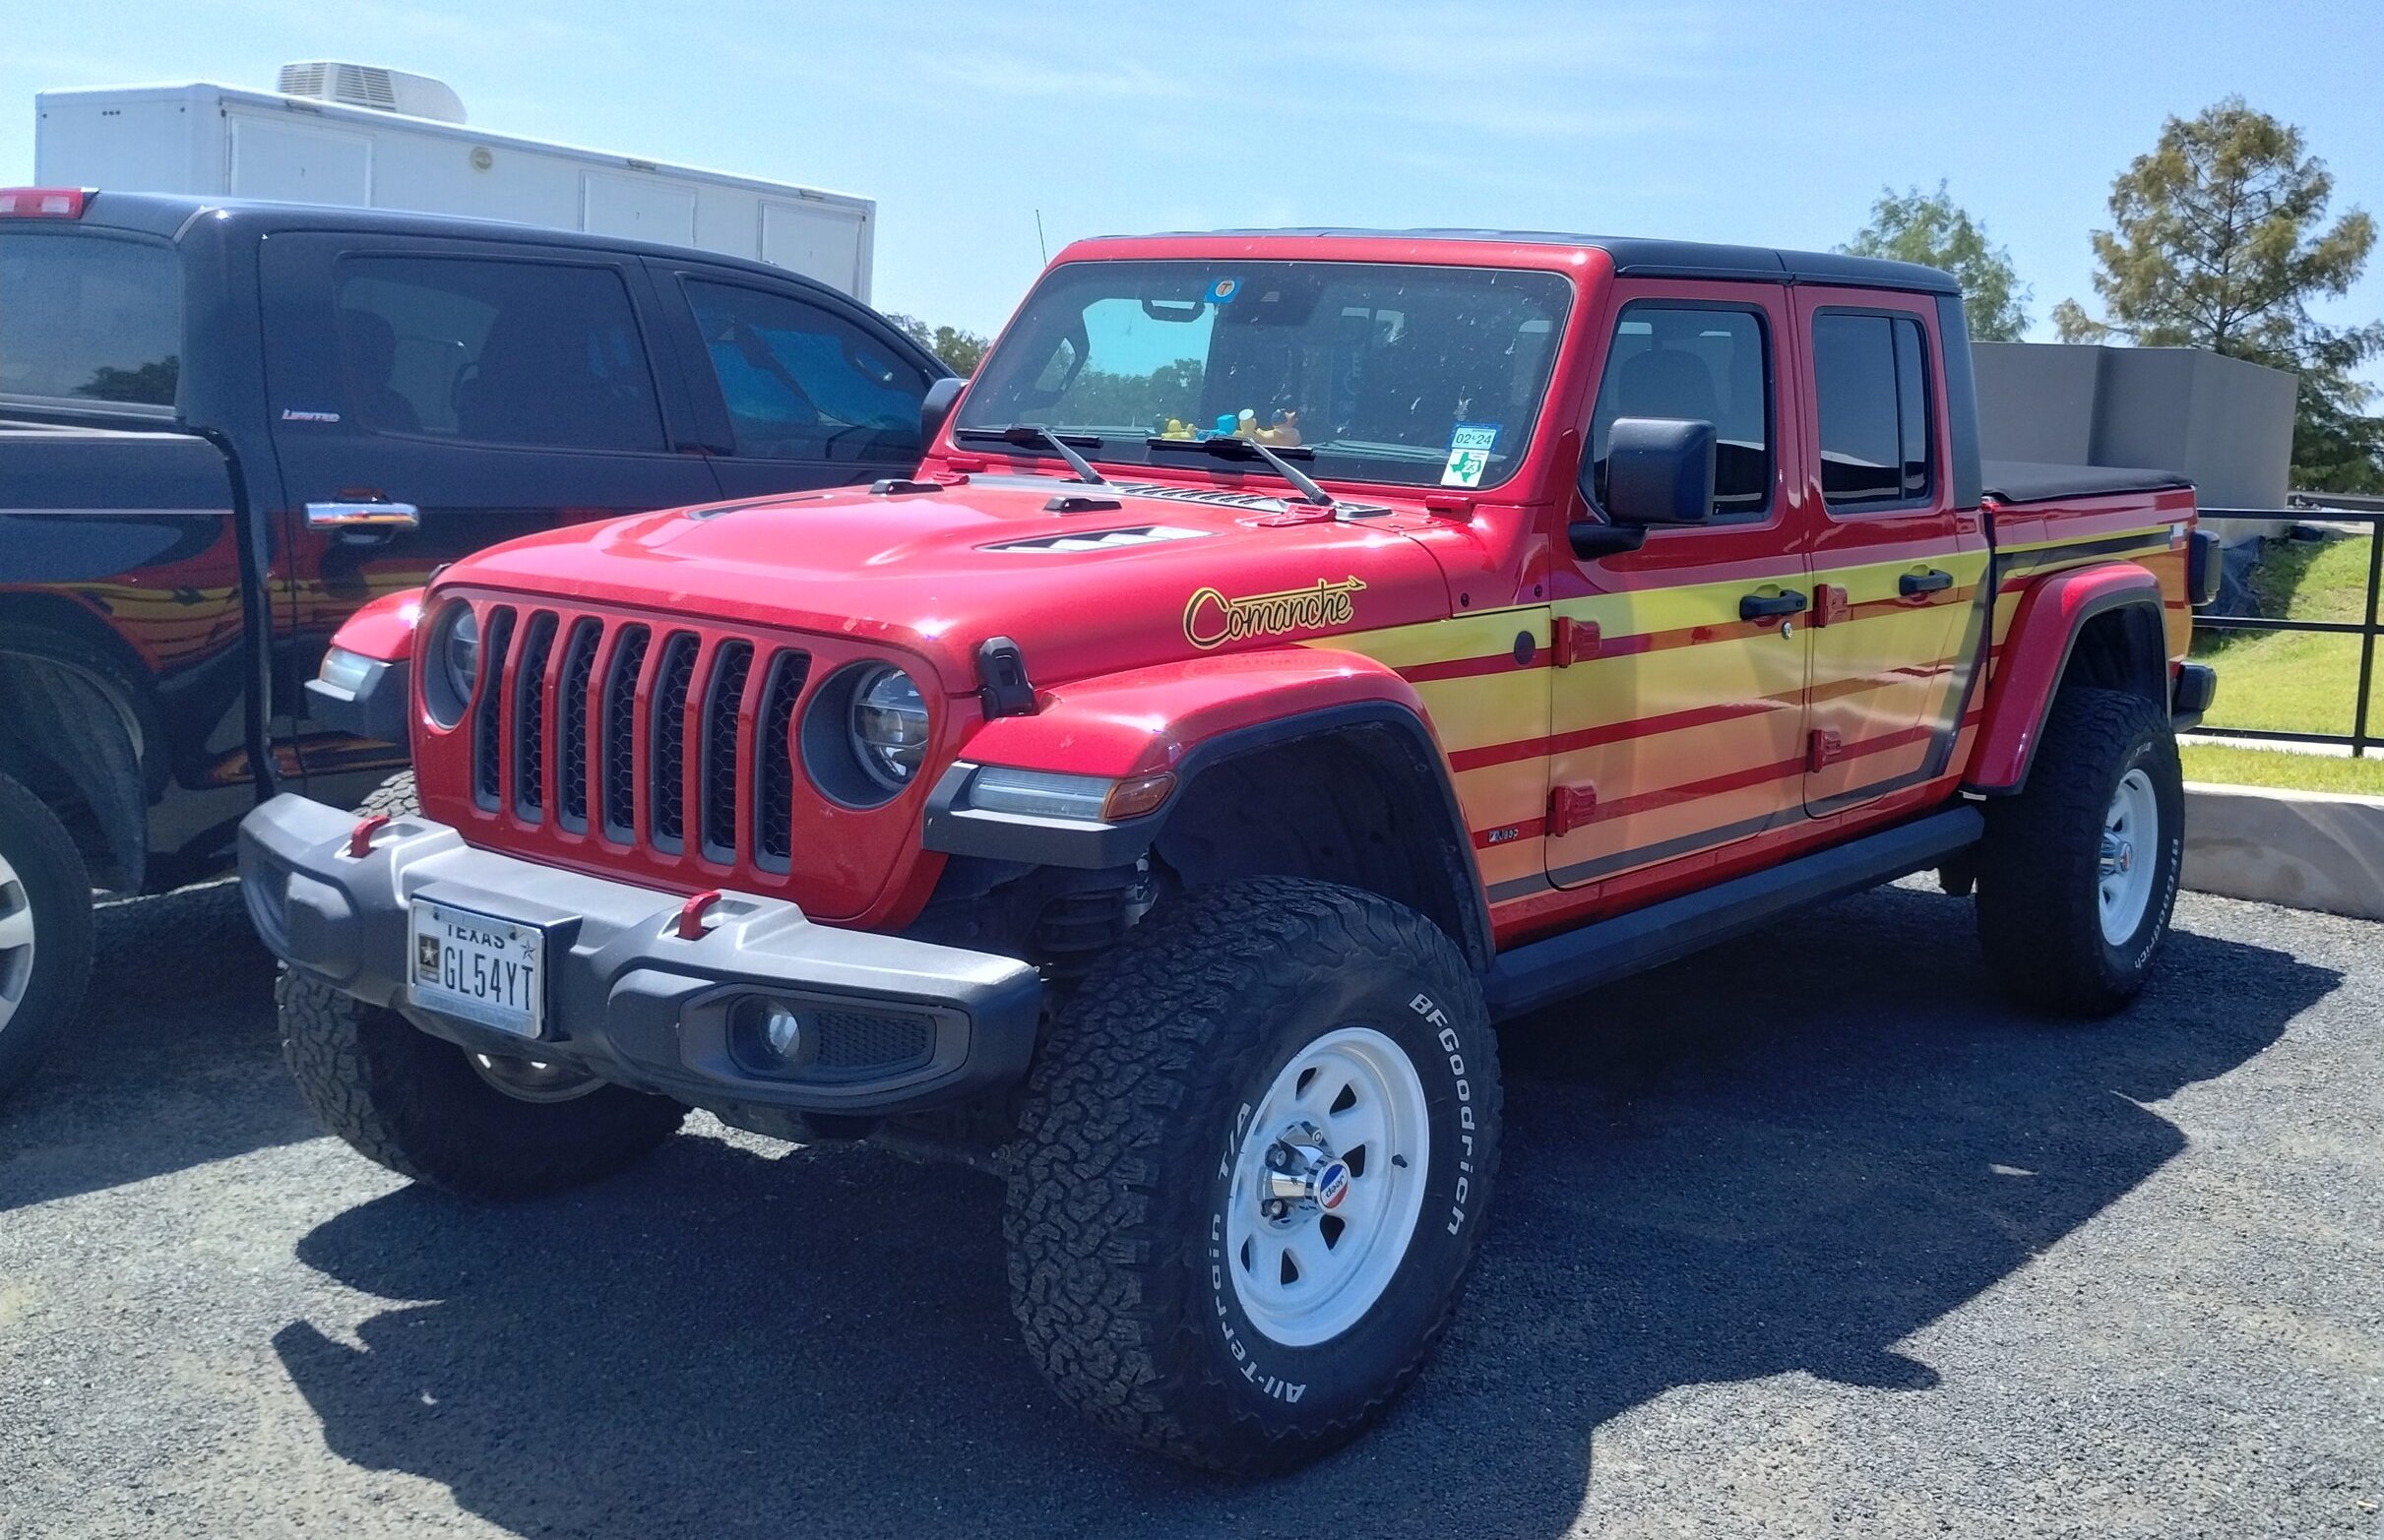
(770, 1037)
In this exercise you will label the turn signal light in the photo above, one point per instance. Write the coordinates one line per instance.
(1137, 795)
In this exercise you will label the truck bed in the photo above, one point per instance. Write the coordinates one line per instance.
(2018, 481)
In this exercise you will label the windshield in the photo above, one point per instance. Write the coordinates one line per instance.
(1364, 371)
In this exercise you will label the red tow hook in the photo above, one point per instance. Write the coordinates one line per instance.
(360, 838)
(691, 925)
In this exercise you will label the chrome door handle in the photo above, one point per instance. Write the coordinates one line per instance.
(383, 518)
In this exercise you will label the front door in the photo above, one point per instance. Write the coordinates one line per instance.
(496, 389)
(1678, 692)
(1896, 567)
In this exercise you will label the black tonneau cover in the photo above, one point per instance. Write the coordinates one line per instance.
(2030, 481)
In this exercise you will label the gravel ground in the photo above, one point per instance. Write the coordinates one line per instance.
(1807, 1236)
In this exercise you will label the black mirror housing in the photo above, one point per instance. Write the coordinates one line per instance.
(935, 408)
(1659, 471)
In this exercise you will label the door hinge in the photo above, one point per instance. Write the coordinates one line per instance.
(1569, 807)
(1826, 747)
(1829, 603)
(1572, 641)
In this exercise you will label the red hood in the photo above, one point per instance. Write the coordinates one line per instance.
(936, 574)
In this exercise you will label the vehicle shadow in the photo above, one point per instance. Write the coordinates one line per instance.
(171, 1062)
(1788, 1154)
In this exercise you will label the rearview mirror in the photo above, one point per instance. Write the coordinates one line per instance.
(935, 408)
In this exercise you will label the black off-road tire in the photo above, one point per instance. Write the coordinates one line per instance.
(52, 889)
(1117, 1202)
(2039, 916)
(415, 1104)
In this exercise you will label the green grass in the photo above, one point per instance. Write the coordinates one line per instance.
(2234, 766)
(2291, 681)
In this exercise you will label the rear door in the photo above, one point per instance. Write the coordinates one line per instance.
(498, 389)
(793, 386)
(1898, 566)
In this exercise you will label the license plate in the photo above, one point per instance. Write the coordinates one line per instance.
(478, 968)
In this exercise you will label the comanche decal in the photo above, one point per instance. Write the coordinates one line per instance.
(1211, 620)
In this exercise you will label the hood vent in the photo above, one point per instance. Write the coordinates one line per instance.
(1098, 541)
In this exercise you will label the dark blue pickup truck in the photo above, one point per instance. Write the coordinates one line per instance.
(224, 427)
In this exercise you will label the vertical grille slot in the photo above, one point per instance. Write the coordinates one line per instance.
(721, 696)
(666, 754)
(620, 732)
(530, 720)
(571, 705)
(487, 712)
(774, 762)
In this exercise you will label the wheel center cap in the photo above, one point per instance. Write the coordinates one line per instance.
(1331, 1184)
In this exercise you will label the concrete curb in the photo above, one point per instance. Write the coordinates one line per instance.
(2302, 850)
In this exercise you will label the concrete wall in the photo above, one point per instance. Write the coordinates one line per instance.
(2225, 423)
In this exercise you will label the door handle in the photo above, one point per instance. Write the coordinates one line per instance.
(363, 521)
(1912, 584)
(1761, 607)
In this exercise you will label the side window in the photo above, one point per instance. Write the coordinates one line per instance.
(1703, 363)
(1871, 381)
(535, 354)
(802, 383)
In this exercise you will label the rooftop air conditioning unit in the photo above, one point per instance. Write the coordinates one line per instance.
(371, 86)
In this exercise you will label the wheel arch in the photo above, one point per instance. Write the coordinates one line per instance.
(77, 732)
(2102, 627)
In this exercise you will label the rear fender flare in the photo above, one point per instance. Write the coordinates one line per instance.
(2054, 613)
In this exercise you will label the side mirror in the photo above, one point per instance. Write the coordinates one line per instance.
(935, 408)
(1658, 470)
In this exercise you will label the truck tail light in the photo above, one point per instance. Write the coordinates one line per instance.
(43, 203)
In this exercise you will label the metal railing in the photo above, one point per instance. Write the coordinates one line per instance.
(2366, 628)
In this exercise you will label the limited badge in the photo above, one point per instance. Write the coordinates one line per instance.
(1470, 448)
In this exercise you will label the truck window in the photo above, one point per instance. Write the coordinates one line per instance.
(1871, 381)
(1703, 363)
(89, 318)
(502, 352)
(803, 384)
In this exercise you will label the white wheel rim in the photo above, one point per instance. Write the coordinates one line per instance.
(16, 942)
(1324, 1202)
(2123, 874)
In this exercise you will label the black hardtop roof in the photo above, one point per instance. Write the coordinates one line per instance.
(167, 213)
(1641, 257)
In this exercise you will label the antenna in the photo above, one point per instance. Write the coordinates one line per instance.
(1042, 244)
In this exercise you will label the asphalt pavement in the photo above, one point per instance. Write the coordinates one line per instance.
(1811, 1235)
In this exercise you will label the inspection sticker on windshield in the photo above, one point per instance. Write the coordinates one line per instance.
(1222, 291)
(1468, 453)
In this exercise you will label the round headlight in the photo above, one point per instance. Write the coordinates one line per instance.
(453, 665)
(889, 726)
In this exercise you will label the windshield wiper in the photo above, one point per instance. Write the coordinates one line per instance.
(1228, 446)
(1031, 435)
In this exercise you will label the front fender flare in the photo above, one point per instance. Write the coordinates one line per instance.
(2052, 614)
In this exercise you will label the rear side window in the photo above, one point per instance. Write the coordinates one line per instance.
(801, 383)
(1703, 364)
(536, 353)
(1871, 381)
(88, 318)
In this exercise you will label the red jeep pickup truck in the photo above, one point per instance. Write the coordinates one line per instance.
(1297, 652)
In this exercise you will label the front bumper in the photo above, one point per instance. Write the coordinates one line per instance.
(626, 998)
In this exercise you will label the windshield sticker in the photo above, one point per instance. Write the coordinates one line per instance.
(1222, 291)
(1468, 453)
(1210, 620)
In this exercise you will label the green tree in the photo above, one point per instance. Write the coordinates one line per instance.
(2219, 240)
(1933, 229)
(960, 351)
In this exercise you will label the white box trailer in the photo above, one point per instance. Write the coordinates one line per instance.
(371, 138)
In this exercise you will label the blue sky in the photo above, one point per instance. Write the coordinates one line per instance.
(1713, 119)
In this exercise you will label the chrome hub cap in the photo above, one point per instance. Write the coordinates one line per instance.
(2123, 875)
(531, 1079)
(16, 942)
(1327, 1183)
